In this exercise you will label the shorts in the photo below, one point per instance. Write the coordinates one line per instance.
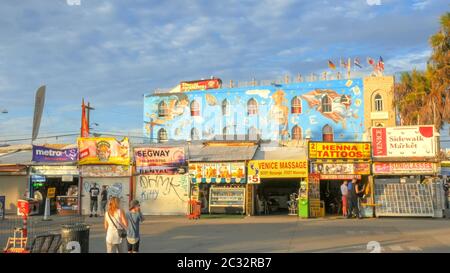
(133, 247)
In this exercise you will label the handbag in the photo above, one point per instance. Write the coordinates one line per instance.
(121, 231)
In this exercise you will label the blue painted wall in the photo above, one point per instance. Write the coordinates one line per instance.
(274, 119)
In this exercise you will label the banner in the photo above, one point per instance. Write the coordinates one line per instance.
(343, 150)
(404, 168)
(38, 108)
(276, 169)
(404, 141)
(217, 172)
(338, 168)
(159, 160)
(103, 150)
(54, 170)
(200, 85)
(105, 170)
(44, 154)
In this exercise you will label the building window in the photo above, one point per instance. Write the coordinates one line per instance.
(296, 133)
(194, 134)
(162, 135)
(252, 107)
(195, 108)
(378, 103)
(326, 104)
(225, 107)
(296, 105)
(327, 133)
(163, 111)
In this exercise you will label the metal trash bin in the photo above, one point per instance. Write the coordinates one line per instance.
(75, 238)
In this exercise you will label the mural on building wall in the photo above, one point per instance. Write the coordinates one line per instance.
(282, 112)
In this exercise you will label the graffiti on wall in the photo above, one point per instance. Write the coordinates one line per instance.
(287, 111)
(115, 189)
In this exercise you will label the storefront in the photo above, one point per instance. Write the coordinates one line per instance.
(161, 180)
(13, 185)
(332, 163)
(405, 170)
(104, 162)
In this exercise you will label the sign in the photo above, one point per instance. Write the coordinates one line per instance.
(404, 141)
(55, 170)
(163, 194)
(2, 207)
(38, 179)
(338, 168)
(339, 177)
(103, 150)
(217, 172)
(44, 154)
(404, 168)
(67, 178)
(159, 160)
(276, 169)
(379, 115)
(51, 192)
(344, 150)
(200, 85)
(105, 170)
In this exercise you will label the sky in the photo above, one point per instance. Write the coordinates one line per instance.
(112, 52)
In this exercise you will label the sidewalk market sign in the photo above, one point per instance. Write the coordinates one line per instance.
(339, 150)
(404, 141)
(103, 150)
(45, 154)
(258, 169)
(404, 168)
(105, 171)
(160, 160)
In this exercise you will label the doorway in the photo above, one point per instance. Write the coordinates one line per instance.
(330, 194)
(273, 196)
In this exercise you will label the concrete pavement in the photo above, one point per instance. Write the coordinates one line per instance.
(171, 234)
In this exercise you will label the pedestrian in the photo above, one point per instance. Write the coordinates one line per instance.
(135, 218)
(104, 198)
(344, 192)
(359, 188)
(115, 221)
(94, 191)
(352, 199)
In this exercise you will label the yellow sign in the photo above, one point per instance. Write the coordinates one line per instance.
(103, 150)
(51, 192)
(276, 168)
(339, 150)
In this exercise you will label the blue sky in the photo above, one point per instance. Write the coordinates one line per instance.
(113, 52)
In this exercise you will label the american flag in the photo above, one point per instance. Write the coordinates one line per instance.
(381, 64)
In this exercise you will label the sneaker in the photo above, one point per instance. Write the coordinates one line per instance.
(90, 215)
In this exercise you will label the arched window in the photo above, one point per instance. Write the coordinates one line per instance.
(326, 104)
(296, 133)
(225, 107)
(163, 111)
(252, 107)
(327, 133)
(296, 105)
(195, 108)
(162, 135)
(378, 103)
(194, 134)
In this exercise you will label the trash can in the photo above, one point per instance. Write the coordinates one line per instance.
(75, 238)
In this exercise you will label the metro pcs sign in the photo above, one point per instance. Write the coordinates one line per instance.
(404, 141)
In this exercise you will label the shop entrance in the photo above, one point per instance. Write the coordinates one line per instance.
(273, 196)
(330, 195)
(62, 188)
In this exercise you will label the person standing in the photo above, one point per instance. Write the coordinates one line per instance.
(94, 191)
(359, 188)
(352, 199)
(114, 220)
(135, 218)
(104, 198)
(344, 192)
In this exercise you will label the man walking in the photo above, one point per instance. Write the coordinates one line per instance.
(352, 199)
(104, 198)
(94, 192)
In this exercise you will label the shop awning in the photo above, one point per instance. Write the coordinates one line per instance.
(272, 151)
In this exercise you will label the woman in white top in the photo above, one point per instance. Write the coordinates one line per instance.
(116, 214)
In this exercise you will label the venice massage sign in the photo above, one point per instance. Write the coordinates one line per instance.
(276, 169)
(331, 150)
(404, 141)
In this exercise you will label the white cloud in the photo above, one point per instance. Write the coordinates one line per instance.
(420, 4)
